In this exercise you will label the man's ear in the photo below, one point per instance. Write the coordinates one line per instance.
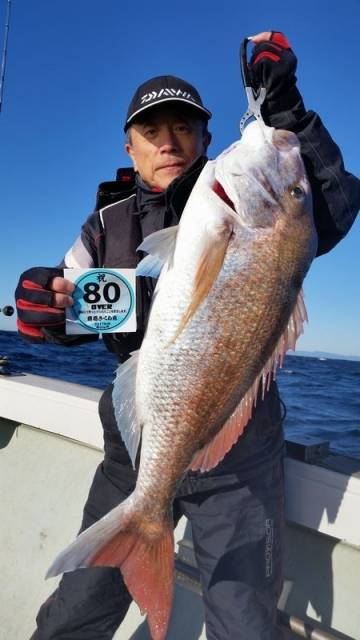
(130, 151)
(206, 140)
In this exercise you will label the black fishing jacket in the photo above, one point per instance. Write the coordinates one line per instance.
(127, 211)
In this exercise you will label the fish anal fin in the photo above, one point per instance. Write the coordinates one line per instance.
(209, 265)
(210, 455)
(123, 398)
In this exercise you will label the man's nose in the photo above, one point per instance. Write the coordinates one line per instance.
(168, 140)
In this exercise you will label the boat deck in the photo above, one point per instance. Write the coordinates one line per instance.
(50, 446)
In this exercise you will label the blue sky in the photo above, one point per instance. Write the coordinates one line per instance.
(73, 66)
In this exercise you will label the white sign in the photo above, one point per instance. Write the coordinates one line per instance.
(104, 301)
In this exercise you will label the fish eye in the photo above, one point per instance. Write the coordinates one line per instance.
(297, 192)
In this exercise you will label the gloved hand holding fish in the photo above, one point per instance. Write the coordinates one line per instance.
(227, 306)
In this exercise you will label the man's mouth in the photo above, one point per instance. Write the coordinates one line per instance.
(172, 165)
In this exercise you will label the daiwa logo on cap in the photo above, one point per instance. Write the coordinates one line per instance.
(166, 92)
(161, 89)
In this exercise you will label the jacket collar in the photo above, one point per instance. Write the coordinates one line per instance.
(174, 197)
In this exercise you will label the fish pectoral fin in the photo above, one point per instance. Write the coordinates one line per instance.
(210, 455)
(160, 246)
(216, 241)
(123, 398)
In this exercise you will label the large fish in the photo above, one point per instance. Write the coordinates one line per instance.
(227, 306)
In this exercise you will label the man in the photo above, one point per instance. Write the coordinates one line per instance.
(236, 510)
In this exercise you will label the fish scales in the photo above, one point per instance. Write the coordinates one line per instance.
(226, 308)
(202, 387)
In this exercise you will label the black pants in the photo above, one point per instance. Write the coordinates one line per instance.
(237, 527)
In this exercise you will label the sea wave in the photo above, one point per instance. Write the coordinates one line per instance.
(321, 396)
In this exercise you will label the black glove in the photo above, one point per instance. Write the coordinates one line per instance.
(34, 303)
(273, 65)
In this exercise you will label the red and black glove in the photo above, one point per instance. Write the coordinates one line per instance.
(273, 66)
(34, 303)
(38, 319)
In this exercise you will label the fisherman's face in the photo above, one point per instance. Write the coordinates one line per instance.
(164, 144)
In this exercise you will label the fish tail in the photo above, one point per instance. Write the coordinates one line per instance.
(141, 548)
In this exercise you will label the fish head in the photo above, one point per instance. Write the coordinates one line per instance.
(264, 176)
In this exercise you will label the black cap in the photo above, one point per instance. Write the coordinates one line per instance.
(164, 89)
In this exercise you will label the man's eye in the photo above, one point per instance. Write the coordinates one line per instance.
(150, 132)
(183, 128)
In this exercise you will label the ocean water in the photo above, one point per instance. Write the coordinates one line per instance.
(321, 396)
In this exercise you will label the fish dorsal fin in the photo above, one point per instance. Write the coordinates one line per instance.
(123, 398)
(210, 455)
(160, 246)
(215, 244)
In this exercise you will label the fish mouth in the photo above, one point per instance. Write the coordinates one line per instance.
(220, 191)
(264, 201)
